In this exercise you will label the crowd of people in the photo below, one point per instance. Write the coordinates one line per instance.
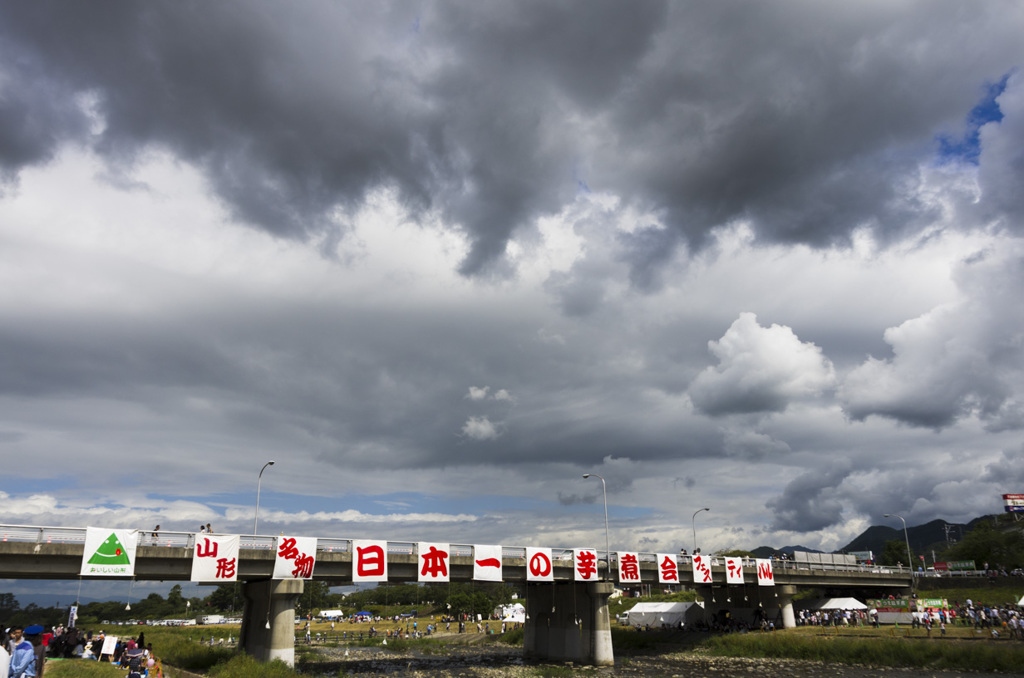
(24, 651)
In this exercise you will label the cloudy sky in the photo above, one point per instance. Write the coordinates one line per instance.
(440, 259)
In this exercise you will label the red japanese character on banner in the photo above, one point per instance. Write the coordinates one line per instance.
(215, 558)
(733, 571)
(668, 569)
(303, 566)
(296, 558)
(287, 549)
(629, 567)
(538, 564)
(206, 549)
(765, 573)
(370, 561)
(226, 568)
(586, 564)
(434, 564)
(701, 569)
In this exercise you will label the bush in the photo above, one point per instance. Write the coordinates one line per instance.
(244, 666)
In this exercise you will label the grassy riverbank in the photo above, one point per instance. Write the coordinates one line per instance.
(888, 647)
(961, 653)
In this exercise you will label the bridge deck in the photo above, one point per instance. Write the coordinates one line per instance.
(40, 552)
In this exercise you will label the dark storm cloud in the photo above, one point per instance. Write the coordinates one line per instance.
(811, 501)
(808, 119)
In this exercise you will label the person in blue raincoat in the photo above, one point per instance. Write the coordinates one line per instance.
(23, 660)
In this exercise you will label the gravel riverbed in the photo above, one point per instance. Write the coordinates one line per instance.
(490, 661)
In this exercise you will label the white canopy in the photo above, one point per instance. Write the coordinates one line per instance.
(512, 613)
(838, 604)
(660, 614)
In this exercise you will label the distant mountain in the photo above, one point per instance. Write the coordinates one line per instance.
(51, 600)
(923, 538)
(768, 551)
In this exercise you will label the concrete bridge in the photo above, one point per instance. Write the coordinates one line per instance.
(567, 620)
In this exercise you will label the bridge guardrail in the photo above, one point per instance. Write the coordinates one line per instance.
(163, 538)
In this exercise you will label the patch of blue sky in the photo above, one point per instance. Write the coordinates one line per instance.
(27, 486)
(967, 148)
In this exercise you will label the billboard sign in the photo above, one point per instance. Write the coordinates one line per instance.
(1013, 503)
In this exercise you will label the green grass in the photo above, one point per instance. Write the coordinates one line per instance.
(179, 646)
(244, 666)
(81, 668)
(981, 655)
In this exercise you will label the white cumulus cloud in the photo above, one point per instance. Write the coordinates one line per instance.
(760, 369)
(480, 428)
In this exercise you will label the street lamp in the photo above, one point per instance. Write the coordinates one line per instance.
(607, 548)
(259, 479)
(910, 560)
(693, 522)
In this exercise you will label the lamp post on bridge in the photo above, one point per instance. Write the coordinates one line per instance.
(910, 560)
(259, 479)
(607, 548)
(693, 522)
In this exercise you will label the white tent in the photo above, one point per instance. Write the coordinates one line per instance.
(657, 615)
(1021, 601)
(512, 613)
(838, 604)
(331, 614)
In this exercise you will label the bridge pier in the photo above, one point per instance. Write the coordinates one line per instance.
(786, 593)
(268, 621)
(569, 622)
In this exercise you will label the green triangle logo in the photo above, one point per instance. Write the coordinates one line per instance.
(110, 552)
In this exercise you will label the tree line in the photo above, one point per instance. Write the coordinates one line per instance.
(226, 599)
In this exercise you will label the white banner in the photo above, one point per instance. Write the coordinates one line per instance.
(765, 573)
(109, 645)
(629, 567)
(487, 563)
(296, 557)
(109, 553)
(733, 570)
(668, 569)
(701, 569)
(584, 561)
(369, 560)
(538, 564)
(215, 558)
(433, 560)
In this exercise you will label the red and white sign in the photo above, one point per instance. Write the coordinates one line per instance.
(487, 563)
(701, 569)
(434, 561)
(733, 570)
(765, 574)
(1013, 503)
(538, 565)
(584, 561)
(215, 558)
(668, 569)
(369, 560)
(295, 558)
(629, 567)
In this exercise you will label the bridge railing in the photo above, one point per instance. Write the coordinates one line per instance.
(164, 538)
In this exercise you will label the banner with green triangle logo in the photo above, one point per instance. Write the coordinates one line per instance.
(109, 553)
